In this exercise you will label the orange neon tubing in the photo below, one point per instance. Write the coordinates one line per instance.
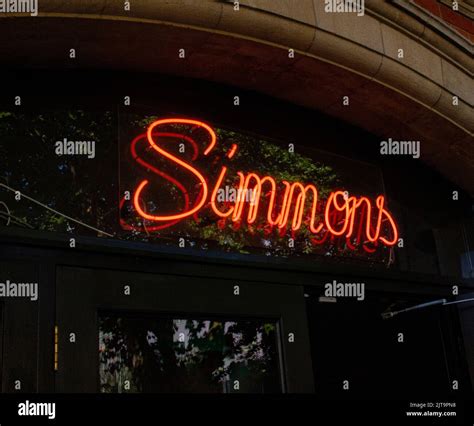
(214, 195)
(197, 123)
(157, 171)
(368, 220)
(257, 191)
(232, 151)
(351, 207)
(300, 205)
(282, 219)
(350, 232)
(160, 173)
(348, 208)
(380, 203)
(238, 206)
(289, 190)
(332, 200)
(176, 160)
(245, 186)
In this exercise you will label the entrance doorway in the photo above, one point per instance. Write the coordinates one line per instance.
(137, 332)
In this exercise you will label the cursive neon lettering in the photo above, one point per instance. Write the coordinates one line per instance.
(294, 206)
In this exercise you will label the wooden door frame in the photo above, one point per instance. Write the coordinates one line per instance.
(83, 292)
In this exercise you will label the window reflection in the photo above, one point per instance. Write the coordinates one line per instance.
(149, 354)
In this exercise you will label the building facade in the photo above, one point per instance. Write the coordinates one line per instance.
(220, 196)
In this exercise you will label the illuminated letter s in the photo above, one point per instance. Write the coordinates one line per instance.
(181, 163)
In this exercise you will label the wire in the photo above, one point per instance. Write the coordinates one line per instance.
(442, 302)
(459, 301)
(55, 211)
(7, 211)
(16, 220)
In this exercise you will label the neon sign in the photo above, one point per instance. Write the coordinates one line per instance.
(284, 206)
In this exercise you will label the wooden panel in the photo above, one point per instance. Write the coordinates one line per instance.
(466, 315)
(2, 309)
(20, 330)
(81, 293)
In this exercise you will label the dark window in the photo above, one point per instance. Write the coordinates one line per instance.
(77, 174)
(157, 354)
(384, 358)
